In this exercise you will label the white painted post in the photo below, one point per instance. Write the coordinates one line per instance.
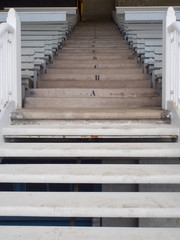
(14, 21)
(170, 18)
(178, 88)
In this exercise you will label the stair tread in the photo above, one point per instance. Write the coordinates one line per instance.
(90, 173)
(69, 65)
(90, 150)
(87, 92)
(87, 71)
(91, 102)
(90, 113)
(92, 76)
(87, 204)
(88, 233)
(93, 130)
(76, 83)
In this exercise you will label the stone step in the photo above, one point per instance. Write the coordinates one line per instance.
(92, 65)
(96, 42)
(90, 173)
(89, 92)
(88, 233)
(89, 114)
(106, 33)
(130, 60)
(91, 102)
(91, 33)
(94, 84)
(93, 77)
(97, 54)
(127, 150)
(95, 46)
(93, 50)
(86, 204)
(95, 57)
(90, 129)
(97, 38)
(87, 71)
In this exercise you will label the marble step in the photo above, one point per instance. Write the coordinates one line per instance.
(88, 204)
(90, 173)
(88, 233)
(126, 150)
(91, 129)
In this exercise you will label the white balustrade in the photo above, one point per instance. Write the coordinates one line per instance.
(171, 60)
(10, 61)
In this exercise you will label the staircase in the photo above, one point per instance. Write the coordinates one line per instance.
(94, 77)
(94, 119)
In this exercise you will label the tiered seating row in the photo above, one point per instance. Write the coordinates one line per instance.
(42, 35)
(143, 31)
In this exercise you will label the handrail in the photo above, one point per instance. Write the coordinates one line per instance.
(6, 27)
(174, 26)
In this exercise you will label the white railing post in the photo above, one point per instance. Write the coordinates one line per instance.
(170, 18)
(14, 21)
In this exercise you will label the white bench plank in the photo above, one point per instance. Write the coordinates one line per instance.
(69, 10)
(89, 173)
(158, 16)
(38, 17)
(88, 233)
(99, 204)
(90, 150)
(121, 10)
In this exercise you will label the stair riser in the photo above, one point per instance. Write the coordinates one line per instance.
(121, 93)
(92, 54)
(70, 65)
(94, 84)
(96, 43)
(95, 46)
(92, 102)
(92, 50)
(96, 71)
(96, 37)
(95, 62)
(94, 32)
(94, 57)
(91, 77)
(91, 115)
(101, 129)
